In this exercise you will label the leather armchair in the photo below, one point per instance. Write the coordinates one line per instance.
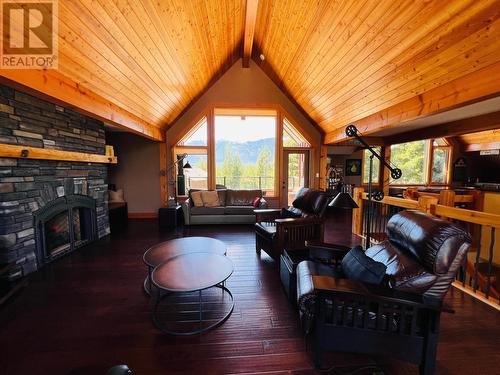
(273, 233)
(399, 318)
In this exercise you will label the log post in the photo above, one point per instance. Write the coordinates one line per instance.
(425, 204)
(447, 198)
(357, 213)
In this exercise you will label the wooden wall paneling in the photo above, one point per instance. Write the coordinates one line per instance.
(354, 42)
(471, 88)
(404, 49)
(53, 86)
(90, 20)
(481, 141)
(211, 162)
(249, 32)
(452, 67)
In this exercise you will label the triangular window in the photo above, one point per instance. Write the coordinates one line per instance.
(292, 137)
(197, 136)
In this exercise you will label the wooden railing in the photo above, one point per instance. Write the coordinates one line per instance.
(480, 277)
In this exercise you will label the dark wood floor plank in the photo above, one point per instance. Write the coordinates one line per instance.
(87, 312)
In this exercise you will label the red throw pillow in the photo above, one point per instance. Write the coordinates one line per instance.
(256, 202)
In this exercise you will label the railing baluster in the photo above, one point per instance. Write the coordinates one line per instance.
(490, 261)
(478, 255)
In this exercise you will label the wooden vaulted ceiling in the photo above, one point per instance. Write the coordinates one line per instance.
(344, 61)
(374, 63)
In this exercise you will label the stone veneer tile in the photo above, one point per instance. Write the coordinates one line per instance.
(26, 185)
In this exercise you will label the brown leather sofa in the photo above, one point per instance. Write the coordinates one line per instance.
(235, 208)
(399, 318)
(274, 233)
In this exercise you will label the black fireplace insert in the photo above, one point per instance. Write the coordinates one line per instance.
(64, 225)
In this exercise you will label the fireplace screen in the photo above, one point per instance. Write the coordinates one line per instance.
(57, 235)
(65, 224)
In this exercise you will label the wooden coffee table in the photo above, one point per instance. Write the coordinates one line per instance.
(164, 251)
(194, 272)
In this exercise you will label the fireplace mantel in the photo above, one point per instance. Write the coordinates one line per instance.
(24, 152)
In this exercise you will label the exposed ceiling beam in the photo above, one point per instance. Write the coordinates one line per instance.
(470, 125)
(53, 86)
(250, 20)
(476, 86)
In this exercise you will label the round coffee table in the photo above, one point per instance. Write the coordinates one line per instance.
(194, 272)
(160, 253)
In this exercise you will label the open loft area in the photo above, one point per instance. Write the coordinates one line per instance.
(249, 187)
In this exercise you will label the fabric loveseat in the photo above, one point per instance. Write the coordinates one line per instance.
(235, 207)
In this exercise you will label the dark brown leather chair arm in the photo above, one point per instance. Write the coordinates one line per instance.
(298, 221)
(326, 252)
(267, 214)
(330, 287)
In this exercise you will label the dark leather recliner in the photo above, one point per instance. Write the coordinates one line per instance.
(273, 232)
(400, 318)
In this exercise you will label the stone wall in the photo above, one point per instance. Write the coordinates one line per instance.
(26, 185)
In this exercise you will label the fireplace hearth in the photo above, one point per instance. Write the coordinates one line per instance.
(64, 225)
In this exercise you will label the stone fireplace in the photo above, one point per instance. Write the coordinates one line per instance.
(48, 208)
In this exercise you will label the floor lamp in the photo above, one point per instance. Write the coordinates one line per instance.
(164, 172)
(352, 131)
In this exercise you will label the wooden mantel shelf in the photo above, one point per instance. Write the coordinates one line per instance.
(22, 152)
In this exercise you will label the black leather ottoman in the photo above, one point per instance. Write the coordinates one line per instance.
(288, 266)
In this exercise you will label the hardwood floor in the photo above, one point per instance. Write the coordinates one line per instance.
(87, 311)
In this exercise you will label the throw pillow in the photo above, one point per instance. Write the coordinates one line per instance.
(196, 197)
(358, 266)
(116, 196)
(256, 202)
(210, 198)
(287, 214)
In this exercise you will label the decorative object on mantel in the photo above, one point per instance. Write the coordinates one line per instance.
(24, 152)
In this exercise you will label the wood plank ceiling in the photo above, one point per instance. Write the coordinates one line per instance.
(152, 58)
(343, 61)
(340, 61)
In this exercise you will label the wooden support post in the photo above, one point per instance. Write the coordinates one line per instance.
(357, 213)
(386, 174)
(447, 198)
(163, 174)
(322, 167)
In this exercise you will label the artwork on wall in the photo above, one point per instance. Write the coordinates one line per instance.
(353, 167)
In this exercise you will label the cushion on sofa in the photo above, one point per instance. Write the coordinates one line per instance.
(221, 193)
(207, 211)
(241, 197)
(358, 266)
(239, 210)
(210, 198)
(197, 199)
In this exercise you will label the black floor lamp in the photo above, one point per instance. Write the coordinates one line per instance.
(164, 172)
(352, 131)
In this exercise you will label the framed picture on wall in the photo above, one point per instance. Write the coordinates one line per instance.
(353, 167)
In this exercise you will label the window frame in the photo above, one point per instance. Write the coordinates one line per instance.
(428, 162)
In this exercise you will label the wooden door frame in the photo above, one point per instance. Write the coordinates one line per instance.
(283, 185)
